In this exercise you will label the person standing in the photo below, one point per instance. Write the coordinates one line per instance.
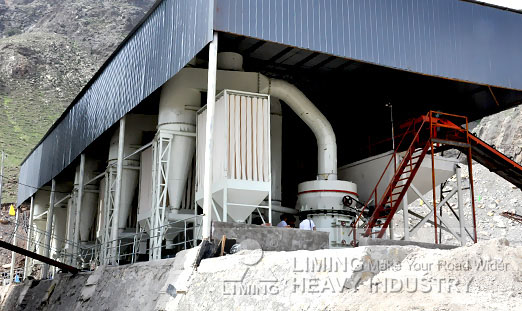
(306, 224)
(283, 223)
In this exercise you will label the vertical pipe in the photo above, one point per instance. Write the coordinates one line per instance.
(29, 237)
(79, 200)
(117, 194)
(461, 206)
(470, 169)
(209, 131)
(13, 254)
(405, 217)
(48, 229)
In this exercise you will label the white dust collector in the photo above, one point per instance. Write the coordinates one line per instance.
(136, 124)
(241, 154)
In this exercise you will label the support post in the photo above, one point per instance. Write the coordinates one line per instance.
(405, 217)
(433, 180)
(209, 131)
(117, 194)
(470, 170)
(78, 202)
(48, 229)
(461, 206)
(13, 254)
(29, 238)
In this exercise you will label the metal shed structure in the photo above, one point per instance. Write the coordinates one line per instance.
(337, 65)
(453, 39)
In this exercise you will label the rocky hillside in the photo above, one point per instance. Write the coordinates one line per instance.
(49, 49)
(504, 131)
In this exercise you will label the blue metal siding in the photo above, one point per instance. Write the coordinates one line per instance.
(171, 36)
(447, 38)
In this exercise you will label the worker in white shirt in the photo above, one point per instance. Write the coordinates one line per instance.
(282, 223)
(306, 224)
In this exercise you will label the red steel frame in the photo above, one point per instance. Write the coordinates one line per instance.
(449, 132)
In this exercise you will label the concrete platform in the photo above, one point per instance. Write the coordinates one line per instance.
(271, 238)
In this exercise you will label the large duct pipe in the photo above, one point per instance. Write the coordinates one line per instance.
(177, 112)
(323, 131)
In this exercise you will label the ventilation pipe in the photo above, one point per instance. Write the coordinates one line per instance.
(323, 131)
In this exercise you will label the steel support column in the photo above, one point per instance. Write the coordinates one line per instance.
(209, 131)
(460, 206)
(117, 194)
(48, 229)
(29, 238)
(77, 219)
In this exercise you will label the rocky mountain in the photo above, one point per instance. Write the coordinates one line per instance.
(49, 49)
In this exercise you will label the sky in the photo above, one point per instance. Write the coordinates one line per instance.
(513, 4)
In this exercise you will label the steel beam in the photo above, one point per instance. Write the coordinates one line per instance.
(46, 260)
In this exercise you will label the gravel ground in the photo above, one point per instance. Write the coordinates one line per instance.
(484, 276)
(493, 195)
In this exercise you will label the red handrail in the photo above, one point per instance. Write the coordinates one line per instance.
(374, 192)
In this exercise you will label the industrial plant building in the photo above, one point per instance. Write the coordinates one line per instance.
(237, 111)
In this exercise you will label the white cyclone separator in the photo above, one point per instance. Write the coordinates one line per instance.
(136, 125)
(177, 112)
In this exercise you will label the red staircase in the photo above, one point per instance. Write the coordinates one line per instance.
(434, 132)
(425, 134)
(404, 173)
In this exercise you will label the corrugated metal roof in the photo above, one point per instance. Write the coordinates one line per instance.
(169, 37)
(446, 38)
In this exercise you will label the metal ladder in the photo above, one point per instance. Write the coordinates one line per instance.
(403, 175)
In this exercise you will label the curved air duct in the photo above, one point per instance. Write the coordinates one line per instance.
(323, 131)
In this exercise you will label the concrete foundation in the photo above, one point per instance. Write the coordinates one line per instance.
(385, 242)
(271, 238)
